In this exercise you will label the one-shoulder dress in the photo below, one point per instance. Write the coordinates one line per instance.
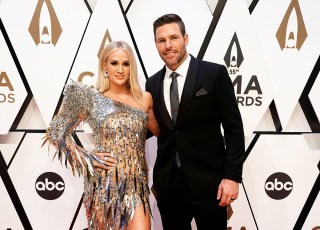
(110, 196)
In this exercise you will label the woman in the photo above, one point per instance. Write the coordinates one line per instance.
(116, 192)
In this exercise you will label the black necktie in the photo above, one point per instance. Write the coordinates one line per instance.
(174, 103)
(174, 96)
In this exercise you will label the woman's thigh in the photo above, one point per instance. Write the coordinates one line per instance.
(141, 220)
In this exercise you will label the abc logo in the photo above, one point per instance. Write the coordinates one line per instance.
(49, 186)
(278, 186)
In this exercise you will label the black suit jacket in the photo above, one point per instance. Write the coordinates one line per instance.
(207, 101)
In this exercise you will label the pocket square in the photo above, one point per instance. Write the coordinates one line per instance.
(201, 92)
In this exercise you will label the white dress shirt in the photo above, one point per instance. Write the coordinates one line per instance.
(182, 70)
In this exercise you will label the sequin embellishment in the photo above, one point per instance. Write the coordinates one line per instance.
(110, 197)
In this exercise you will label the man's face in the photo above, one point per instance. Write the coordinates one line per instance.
(171, 45)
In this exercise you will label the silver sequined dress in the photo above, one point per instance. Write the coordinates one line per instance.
(110, 197)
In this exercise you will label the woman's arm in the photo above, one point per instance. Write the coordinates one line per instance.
(152, 122)
(74, 110)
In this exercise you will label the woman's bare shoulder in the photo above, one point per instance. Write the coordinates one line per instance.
(146, 98)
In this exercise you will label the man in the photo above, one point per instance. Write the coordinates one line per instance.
(197, 172)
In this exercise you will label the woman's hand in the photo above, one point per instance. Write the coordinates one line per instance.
(104, 160)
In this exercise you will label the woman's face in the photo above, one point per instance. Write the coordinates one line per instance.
(117, 66)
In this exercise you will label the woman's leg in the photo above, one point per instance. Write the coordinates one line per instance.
(141, 220)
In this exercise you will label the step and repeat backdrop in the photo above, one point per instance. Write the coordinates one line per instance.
(271, 49)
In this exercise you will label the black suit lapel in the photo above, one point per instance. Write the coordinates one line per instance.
(160, 99)
(187, 90)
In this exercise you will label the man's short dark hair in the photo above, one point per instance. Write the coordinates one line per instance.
(167, 19)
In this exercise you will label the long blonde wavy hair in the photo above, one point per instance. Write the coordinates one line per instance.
(132, 84)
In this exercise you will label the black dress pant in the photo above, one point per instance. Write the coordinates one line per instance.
(179, 206)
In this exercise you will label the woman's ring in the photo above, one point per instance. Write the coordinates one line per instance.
(105, 158)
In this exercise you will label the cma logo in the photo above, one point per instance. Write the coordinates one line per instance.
(246, 94)
(292, 32)
(278, 186)
(50, 186)
(82, 78)
(5, 83)
(44, 27)
(85, 74)
(229, 215)
(234, 57)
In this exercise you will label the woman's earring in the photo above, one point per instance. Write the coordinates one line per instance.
(105, 74)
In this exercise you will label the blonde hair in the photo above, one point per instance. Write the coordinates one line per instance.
(132, 84)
